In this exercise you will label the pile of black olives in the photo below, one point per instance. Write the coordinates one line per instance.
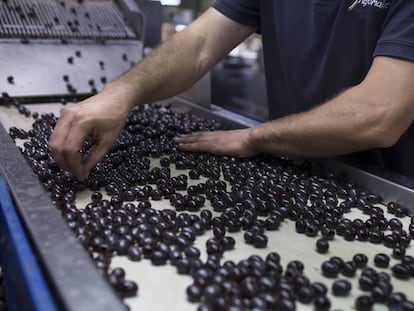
(252, 195)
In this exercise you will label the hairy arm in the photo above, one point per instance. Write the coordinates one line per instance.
(373, 114)
(183, 60)
(167, 71)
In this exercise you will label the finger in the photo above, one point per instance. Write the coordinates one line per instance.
(194, 137)
(199, 142)
(191, 147)
(71, 150)
(196, 147)
(57, 141)
(96, 154)
(185, 137)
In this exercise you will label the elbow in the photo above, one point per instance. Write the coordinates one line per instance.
(388, 138)
(387, 130)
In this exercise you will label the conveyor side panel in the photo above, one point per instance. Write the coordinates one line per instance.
(25, 287)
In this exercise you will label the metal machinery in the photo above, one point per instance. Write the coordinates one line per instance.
(56, 51)
(53, 52)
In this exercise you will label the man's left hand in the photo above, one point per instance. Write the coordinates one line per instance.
(231, 143)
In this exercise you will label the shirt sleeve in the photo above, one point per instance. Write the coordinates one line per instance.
(245, 12)
(397, 35)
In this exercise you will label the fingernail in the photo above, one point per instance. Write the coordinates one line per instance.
(80, 177)
(84, 176)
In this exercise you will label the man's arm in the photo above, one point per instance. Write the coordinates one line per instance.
(167, 71)
(373, 114)
(180, 62)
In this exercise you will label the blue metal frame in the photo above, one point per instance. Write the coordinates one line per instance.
(25, 287)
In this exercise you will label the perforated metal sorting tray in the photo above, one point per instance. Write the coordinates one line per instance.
(65, 19)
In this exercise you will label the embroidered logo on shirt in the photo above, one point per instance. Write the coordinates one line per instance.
(380, 4)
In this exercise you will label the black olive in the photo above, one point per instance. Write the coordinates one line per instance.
(211, 292)
(183, 266)
(127, 288)
(330, 269)
(311, 230)
(300, 226)
(327, 233)
(364, 303)
(348, 269)
(305, 294)
(322, 246)
(192, 252)
(376, 237)
(349, 234)
(194, 293)
(260, 241)
(381, 260)
(319, 289)
(395, 299)
(366, 283)
(118, 274)
(134, 253)
(337, 260)
(380, 293)
(96, 198)
(360, 260)
(322, 303)
(398, 252)
(341, 288)
(400, 271)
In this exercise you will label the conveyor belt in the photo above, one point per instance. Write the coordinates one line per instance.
(156, 281)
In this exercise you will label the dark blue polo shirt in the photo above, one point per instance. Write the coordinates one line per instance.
(314, 49)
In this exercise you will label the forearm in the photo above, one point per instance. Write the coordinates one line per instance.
(181, 61)
(373, 114)
(353, 121)
(167, 71)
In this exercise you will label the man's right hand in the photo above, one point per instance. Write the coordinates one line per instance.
(101, 117)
